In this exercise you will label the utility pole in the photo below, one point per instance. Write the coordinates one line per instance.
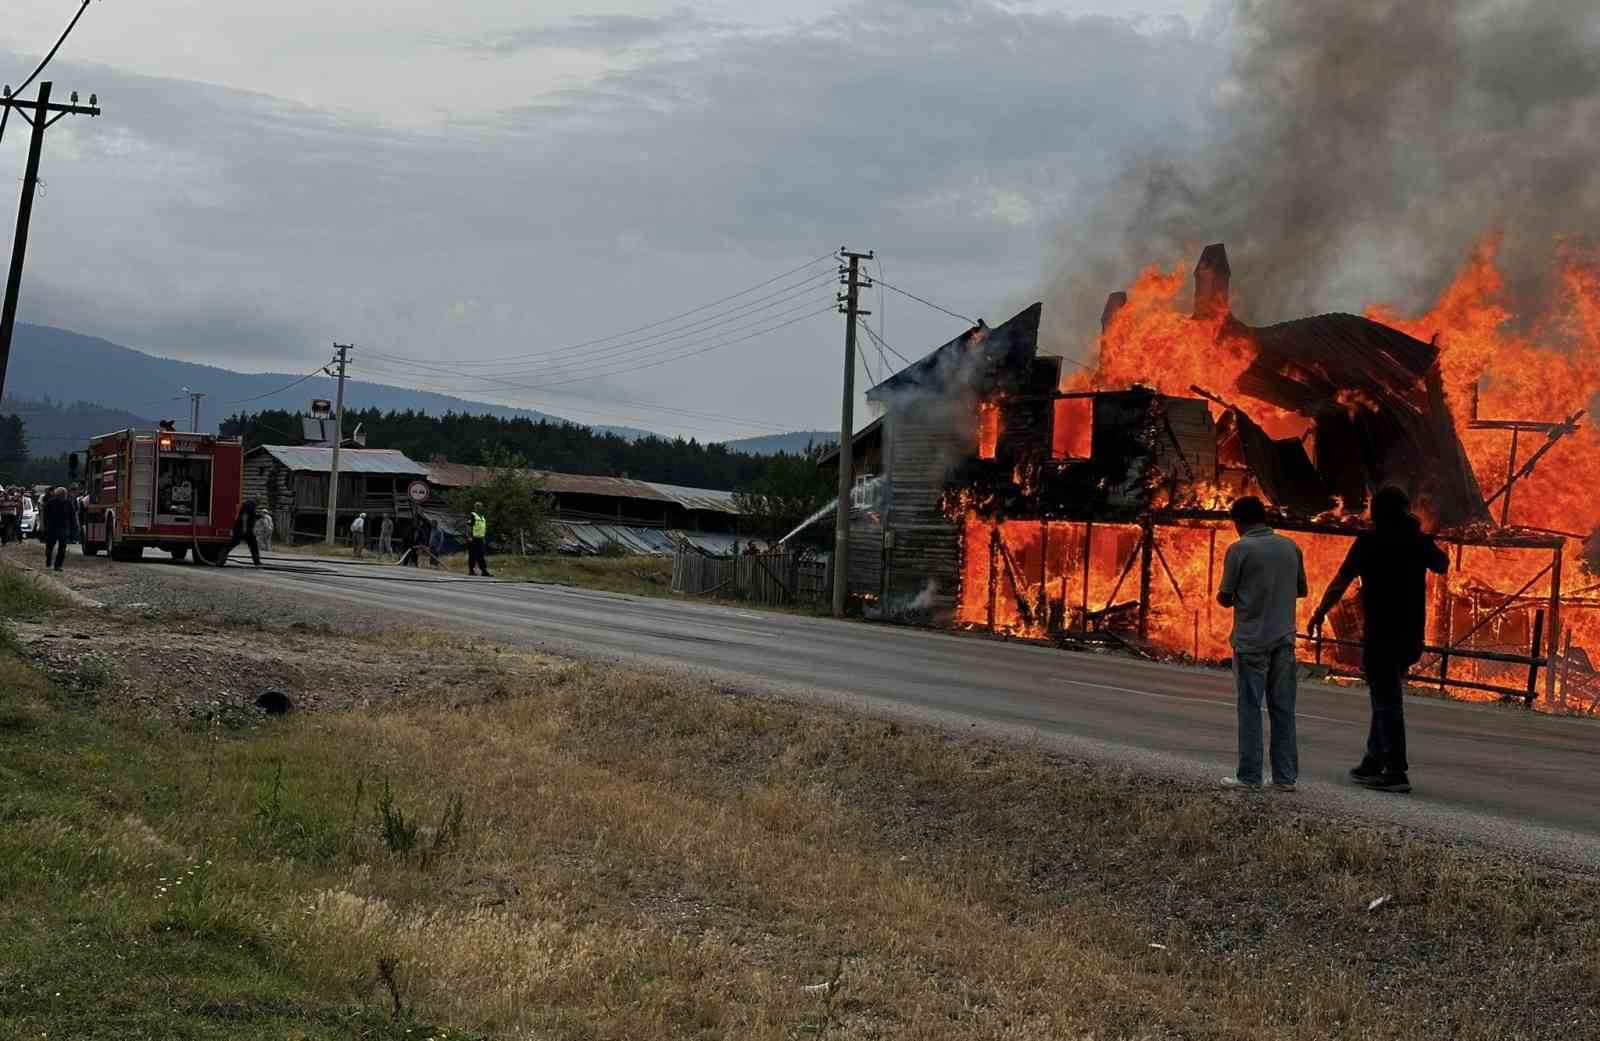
(40, 119)
(849, 301)
(343, 358)
(194, 409)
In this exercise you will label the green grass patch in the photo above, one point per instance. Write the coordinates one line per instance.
(153, 878)
(23, 596)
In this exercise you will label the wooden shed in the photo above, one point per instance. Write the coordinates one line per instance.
(292, 483)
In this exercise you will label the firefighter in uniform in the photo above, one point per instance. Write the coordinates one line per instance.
(478, 545)
(244, 530)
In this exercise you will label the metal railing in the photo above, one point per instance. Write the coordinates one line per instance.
(1533, 661)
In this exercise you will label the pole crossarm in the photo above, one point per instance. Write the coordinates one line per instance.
(26, 105)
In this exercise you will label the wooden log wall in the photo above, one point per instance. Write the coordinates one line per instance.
(920, 445)
(270, 484)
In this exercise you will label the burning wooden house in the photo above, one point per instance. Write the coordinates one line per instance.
(1013, 496)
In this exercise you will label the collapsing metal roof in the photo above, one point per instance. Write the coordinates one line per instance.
(1376, 400)
(312, 459)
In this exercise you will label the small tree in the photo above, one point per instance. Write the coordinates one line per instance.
(790, 490)
(514, 501)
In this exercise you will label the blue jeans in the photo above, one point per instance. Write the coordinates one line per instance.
(1268, 675)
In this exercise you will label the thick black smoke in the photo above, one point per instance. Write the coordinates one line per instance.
(1357, 150)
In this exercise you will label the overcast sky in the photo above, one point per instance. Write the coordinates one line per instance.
(466, 182)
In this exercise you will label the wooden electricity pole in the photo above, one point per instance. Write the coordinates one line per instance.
(41, 118)
(343, 358)
(849, 304)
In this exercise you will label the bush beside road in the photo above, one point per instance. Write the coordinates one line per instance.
(509, 844)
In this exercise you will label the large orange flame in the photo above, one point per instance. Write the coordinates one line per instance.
(1543, 365)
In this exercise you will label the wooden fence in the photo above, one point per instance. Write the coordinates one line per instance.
(780, 577)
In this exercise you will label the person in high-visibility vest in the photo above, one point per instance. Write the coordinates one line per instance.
(478, 544)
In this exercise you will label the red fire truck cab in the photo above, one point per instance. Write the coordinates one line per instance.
(164, 489)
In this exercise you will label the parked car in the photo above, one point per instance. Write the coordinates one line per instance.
(30, 518)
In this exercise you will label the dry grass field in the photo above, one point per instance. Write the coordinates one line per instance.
(555, 850)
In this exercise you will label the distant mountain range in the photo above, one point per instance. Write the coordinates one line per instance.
(51, 366)
(794, 443)
(52, 428)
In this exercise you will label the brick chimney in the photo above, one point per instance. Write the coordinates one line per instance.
(1211, 282)
(1114, 303)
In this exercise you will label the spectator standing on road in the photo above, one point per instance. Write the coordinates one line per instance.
(58, 528)
(358, 533)
(386, 537)
(10, 510)
(1392, 561)
(265, 528)
(1263, 575)
(419, 543)
(244, 530)
(478, 544)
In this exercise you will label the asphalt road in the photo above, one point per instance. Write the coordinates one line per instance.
(1481, 772)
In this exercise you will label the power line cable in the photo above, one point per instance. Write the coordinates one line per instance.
(927, 303)
(677, 357)
(883, 313)
(319, 370)
(5, 114)
(882, 343)
(641, 347)
(745, 310)
(598, 400)
(63, 39)
(664, 321)
(577, 367)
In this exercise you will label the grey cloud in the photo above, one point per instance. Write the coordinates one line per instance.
(604, 32)
(951, 137)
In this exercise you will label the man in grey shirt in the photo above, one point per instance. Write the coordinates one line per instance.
(1262, 577)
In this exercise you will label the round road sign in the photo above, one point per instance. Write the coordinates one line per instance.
(418, 491)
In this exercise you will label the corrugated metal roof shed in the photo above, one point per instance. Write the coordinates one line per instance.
(351, 460)
(581, 537)
(695, 498)
(460, 475)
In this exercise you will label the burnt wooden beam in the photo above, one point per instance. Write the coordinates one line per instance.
(1016, 581)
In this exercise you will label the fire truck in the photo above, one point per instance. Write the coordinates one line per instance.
(164, 489)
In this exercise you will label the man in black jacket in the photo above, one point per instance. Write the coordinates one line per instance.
(244, 530)
(1392, 561)
(58, 524)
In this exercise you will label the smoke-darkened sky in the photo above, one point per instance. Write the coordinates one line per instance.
(478, 182)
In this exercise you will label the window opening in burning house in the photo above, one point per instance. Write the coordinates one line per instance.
(988, 429)
(183, 490)
(1072, 431)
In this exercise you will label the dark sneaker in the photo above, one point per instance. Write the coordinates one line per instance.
(1366, 773)
(1283, 786)
(1390, 782)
